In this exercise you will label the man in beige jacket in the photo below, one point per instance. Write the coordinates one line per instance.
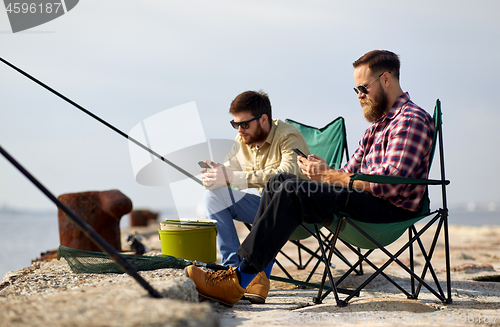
(262, 149)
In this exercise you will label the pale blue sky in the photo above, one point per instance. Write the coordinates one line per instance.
(128, 60)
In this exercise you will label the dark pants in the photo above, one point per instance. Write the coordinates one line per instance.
(288, 201)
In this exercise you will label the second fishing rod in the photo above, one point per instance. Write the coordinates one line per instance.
(180, 169)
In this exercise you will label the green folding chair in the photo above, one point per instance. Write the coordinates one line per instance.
(370, 236)
(330, 143)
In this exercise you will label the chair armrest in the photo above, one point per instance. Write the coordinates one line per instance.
(397, 180)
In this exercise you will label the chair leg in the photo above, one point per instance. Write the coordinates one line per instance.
(364, 257)
(428, 265)
(328, 271)
(414, 236)
(412, 264)
(428, 259)
(319, 299)
(447, 255)
(283, 269)
(328, 244)
(360, 265)
(394, 257)
(300, 266)
(313, 270)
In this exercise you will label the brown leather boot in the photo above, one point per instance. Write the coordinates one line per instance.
(256, 291)
(222, 286)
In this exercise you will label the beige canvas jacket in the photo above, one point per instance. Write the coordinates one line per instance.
(252, 167)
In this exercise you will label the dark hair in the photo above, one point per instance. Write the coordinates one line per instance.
(254, 102)
(379, 60)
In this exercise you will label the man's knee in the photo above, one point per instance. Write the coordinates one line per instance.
(275, 182)
(209, 196)
(282, 186)
(215, 200)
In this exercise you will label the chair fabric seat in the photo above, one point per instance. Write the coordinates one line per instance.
(384, 233)
(301, 233)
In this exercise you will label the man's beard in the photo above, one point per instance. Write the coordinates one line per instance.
(374, 109)
(258, 137)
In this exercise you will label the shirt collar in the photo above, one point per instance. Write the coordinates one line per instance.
(396, 107)
(270, 137)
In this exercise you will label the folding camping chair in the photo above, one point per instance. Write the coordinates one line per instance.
(330, 143)
(371, 236)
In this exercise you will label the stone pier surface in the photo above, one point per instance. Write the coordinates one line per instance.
(49, 294)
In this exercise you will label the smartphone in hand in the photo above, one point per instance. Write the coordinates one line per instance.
(298, 152)
(203, 164)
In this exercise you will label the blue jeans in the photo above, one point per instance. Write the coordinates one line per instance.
(223, 205)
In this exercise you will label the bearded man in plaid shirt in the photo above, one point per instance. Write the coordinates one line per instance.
(397, 143)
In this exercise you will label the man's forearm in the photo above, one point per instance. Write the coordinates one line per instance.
(337, 177)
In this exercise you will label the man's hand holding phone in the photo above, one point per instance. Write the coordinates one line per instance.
(214, 174)
(205, 165)
(299, 153)
(313, 167)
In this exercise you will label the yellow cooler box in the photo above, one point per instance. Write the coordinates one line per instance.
(192, 239)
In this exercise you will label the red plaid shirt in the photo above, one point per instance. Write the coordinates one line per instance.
(398, 144)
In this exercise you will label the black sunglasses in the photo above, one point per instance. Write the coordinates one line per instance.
(244, 124)
(364, 89)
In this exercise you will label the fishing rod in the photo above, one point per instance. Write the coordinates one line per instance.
(86, 229)
(101, 121)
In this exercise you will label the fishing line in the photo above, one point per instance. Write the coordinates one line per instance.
(101, 120)
(86, 228)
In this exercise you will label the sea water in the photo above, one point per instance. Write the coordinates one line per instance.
(25, 235)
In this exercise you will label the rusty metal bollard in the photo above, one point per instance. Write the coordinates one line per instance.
(142, 217)
(101, 210)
